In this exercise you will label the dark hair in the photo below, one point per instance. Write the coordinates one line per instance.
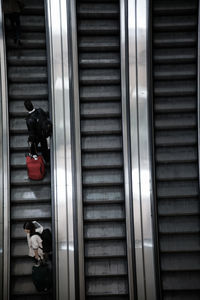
(29, 226)
(28, 105)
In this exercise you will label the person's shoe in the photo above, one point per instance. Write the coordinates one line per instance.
(37, 264)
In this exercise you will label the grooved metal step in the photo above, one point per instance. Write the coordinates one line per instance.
(27, 57)
(173, 55)
(175, 104)
(30, 40)
(176, 155)
(31, 91)
(174, 23)
(168, 72)
(102, 160)
(99, 60)
(99, 27)
(188, 206)
(189, 264)
(27, 74)
(105, 230)
(101, 43)
(29, 24)
(102, 143)
(100, 93)
(98, 10)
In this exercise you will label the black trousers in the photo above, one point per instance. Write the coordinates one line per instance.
(16, 26)
(44, 148)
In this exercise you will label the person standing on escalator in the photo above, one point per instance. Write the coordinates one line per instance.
(39, 241)
(12, 10)
(34, 241)
(39, 129)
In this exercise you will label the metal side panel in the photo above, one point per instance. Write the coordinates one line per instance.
(4, 171)
(144, 146)
(127, 147)
(176, 111)
(134, 128)
(138, 15)
(198, 90)
(77, 187)
(59, 66)
(1, 203)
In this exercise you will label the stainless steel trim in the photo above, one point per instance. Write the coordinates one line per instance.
(1, 200)
(5, 170)
(138, 14)
(198, 89)
(65, 12)
(134, 135)
(77, 137)
(146, 184)
(5, 164)
(58, 14)
(126, 143)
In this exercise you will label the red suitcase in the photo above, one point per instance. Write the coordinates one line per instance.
(35, 167)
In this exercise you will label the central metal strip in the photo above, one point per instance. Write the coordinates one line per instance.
(126, 144)
(133, 94)
(57, 13)
(198, 90)
(138, 14)
(4, 171)
(144, 145)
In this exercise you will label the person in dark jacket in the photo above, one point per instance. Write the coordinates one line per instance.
(12, 10)
(33, 121)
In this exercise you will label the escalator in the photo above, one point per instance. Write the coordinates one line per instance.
(30, 200)
(105, 256)
(175, 45)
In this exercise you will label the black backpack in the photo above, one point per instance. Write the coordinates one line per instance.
(46, 237)
(42, 277)
(40, 122)
(46, 127)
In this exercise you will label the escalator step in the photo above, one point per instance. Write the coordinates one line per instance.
(99, 60)
(24, 91)
(98, 10)
(28, 57)
(105, 230)
(29, 24)
(27, 74)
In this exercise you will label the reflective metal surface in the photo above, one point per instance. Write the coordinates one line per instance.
(126, 143)
(198, 90)
(63, 198)
(135, 149)
(77, 155)
(4, 171)
(140, 144)
(1, 202)
(144, 146)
